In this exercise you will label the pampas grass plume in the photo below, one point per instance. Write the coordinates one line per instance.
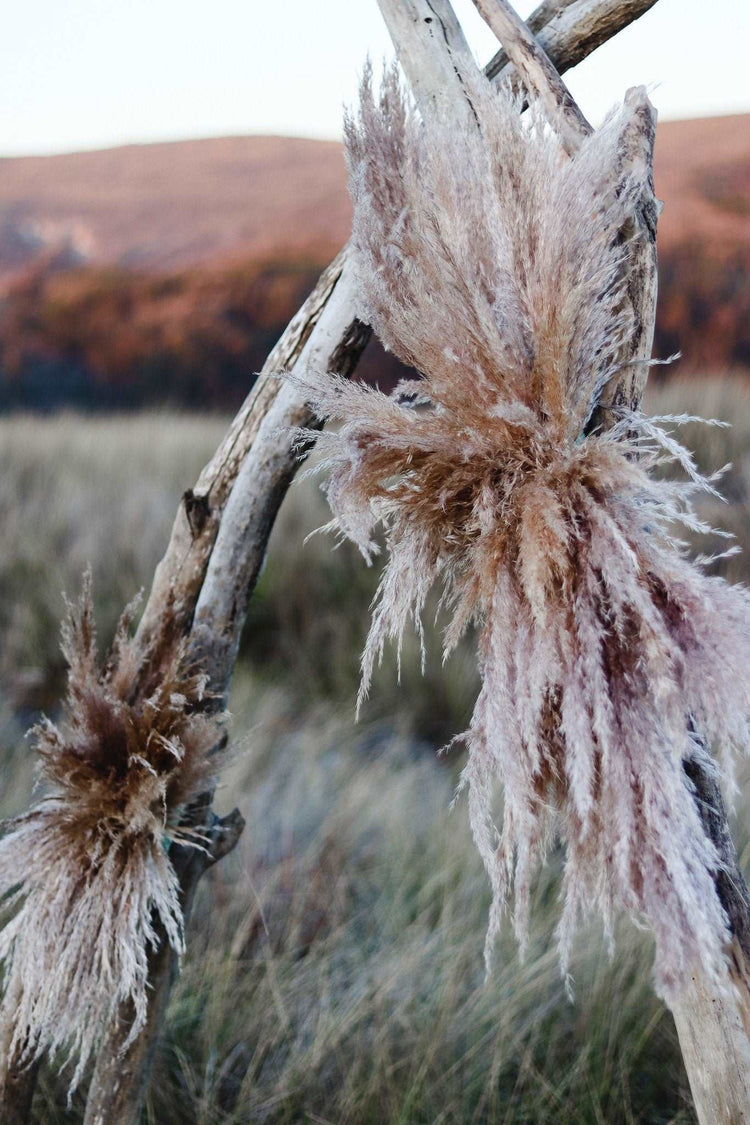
(493, 264)
(85, 875)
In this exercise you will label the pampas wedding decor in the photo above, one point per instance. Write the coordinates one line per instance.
(495, 265)
(85, 874)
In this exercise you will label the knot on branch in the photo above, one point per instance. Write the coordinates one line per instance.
(224, 835)
(197, 510)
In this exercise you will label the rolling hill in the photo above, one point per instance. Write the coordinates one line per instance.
(168, 206)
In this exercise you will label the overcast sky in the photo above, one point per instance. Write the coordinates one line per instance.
(92, 73)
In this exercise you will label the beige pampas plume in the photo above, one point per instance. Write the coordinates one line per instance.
(495, 265)
(86, 875)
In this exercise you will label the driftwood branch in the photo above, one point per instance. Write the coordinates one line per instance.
(428, 30)
(626, 389)
(537, 72)
(569, 31)
(120, 1077)
(262, 482)
(179, 576)
(714, 1031)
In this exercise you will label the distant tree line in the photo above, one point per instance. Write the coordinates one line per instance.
(112, 339)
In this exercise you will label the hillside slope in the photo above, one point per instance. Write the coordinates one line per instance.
(167, 206)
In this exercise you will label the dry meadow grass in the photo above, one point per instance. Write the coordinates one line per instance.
(334, 971)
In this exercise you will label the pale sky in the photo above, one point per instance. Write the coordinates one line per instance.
(93, 73)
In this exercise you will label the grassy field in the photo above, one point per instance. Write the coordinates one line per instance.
(335, 972)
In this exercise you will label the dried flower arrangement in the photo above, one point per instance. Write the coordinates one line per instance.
(85, 874)
(495, 265)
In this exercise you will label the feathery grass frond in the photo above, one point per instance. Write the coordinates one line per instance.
(495, 266)
(85, 875)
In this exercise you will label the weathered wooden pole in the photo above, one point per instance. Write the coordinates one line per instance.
(569, 30)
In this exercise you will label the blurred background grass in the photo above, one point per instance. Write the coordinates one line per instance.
(334, 971)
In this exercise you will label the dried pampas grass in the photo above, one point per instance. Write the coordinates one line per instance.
(495, 266)
(85, 875)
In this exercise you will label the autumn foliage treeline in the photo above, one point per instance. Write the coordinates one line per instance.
(162, 274)
(704, 306)
(109, 338)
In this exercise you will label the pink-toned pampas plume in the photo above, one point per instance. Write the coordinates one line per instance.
(85, 874)
(495, 266)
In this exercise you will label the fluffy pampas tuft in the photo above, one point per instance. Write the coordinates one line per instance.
(495, 266)
(86, 875)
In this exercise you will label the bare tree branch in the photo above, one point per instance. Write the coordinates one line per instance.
(432, 50)
(180, 574)
(536, 72)
(541, 16)
(569, 31)
(120, 1077)
(261, 484)
(625, 389)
